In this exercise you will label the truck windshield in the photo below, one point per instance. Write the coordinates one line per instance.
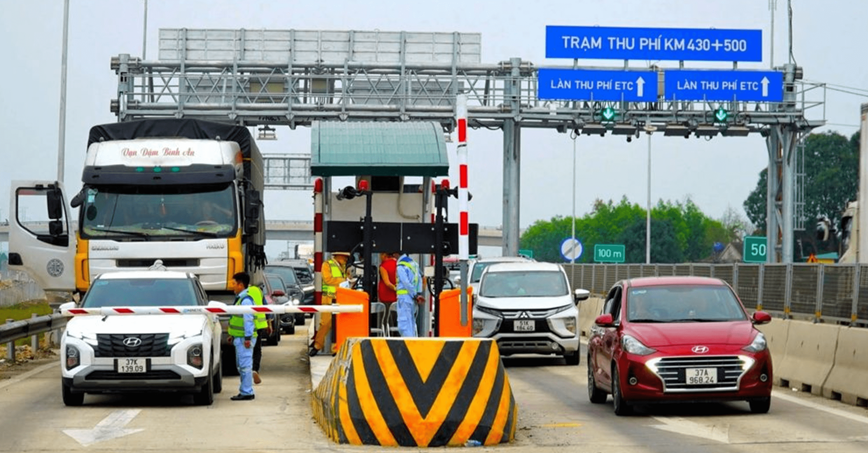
(151, 212)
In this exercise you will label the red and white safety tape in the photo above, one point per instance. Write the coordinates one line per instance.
(212, 308)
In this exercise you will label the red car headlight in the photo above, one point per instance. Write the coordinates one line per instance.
(634, 346)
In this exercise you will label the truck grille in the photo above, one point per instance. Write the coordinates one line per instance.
(151, 345)
(672, 370)
(168, 262)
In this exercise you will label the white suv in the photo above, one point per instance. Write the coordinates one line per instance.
(142, 353)
(527, 308)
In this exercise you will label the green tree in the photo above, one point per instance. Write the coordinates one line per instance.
(679, 232)
(831, 178)
(664, 244)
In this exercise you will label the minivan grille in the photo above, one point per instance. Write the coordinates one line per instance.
(673, 370)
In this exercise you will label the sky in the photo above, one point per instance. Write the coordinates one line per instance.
(715, 174)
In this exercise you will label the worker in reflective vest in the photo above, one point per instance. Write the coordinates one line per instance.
(409, 294)
(263, 330)
(334, 272)
(242, 334)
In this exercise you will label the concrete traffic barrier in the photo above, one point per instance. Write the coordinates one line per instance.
(589, 309)
(776, 333)
(847, 380)
(423, 392)
(808, 358)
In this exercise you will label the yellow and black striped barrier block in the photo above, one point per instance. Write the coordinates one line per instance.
(425, 392)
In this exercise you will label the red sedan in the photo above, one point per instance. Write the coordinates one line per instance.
(678, 339)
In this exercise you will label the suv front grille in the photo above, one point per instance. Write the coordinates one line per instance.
(152, 345)
(729, 370)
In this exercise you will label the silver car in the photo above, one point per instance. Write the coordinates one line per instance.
(527, 307)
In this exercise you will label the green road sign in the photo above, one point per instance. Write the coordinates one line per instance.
(721, 115)
(608, 113)
(609, 253)
(755, 248)
(525, 252)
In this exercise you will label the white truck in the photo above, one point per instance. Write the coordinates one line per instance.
(183, 191)
(853, 246)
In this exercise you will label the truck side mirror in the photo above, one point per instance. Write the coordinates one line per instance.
(252, 211)
(55, 203)
(55, 228)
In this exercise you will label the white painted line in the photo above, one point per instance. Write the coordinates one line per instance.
(109, 428)
(838, 412)
(27, 375)
(686, 427)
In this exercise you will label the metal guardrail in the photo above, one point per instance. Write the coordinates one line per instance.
(16, 330)
(834, 293)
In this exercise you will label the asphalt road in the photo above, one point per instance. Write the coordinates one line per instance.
(554, 414)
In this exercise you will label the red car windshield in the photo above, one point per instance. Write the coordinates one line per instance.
(683, 303)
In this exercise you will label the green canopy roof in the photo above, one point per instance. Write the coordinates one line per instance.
(378, 149)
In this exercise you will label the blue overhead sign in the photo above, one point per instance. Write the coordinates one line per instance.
(593, 85)
(679, 44)
(726, 85)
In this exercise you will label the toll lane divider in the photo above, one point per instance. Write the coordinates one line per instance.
(776, 333)
(809, 356)
(421, 392)
(847, 380)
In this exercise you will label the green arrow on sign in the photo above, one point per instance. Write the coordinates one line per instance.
(721, 115)
(608, 113)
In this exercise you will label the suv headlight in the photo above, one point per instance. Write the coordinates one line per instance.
(634, 346)
(758, 344)
(73, 357)
(570, 324)
(194, 356)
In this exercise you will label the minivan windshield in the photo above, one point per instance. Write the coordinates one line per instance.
(524, 284)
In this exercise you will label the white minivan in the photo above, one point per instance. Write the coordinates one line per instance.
(527, 307)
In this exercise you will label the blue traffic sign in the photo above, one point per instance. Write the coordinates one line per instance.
(593, 85)
(679, 44)
(726, 85)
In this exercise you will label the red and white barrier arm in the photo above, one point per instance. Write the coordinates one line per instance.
(212, 308)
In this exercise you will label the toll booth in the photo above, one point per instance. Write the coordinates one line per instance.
(364, 205)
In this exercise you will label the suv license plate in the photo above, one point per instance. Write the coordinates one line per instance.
(523, 326)
(699, 376)
(132, 365)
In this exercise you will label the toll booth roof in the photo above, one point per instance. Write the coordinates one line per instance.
(378, 149)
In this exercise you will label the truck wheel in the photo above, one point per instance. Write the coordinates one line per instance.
(228, 362)
(71, 398)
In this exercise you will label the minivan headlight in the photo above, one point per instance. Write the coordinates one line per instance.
(758, 344)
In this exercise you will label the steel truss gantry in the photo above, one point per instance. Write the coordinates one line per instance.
(297, 92)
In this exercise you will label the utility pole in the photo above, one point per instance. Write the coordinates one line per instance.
(61, 134)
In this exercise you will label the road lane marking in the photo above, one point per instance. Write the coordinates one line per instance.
(109, 428)
(27, 375)
(784, 396)
(686, 427)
